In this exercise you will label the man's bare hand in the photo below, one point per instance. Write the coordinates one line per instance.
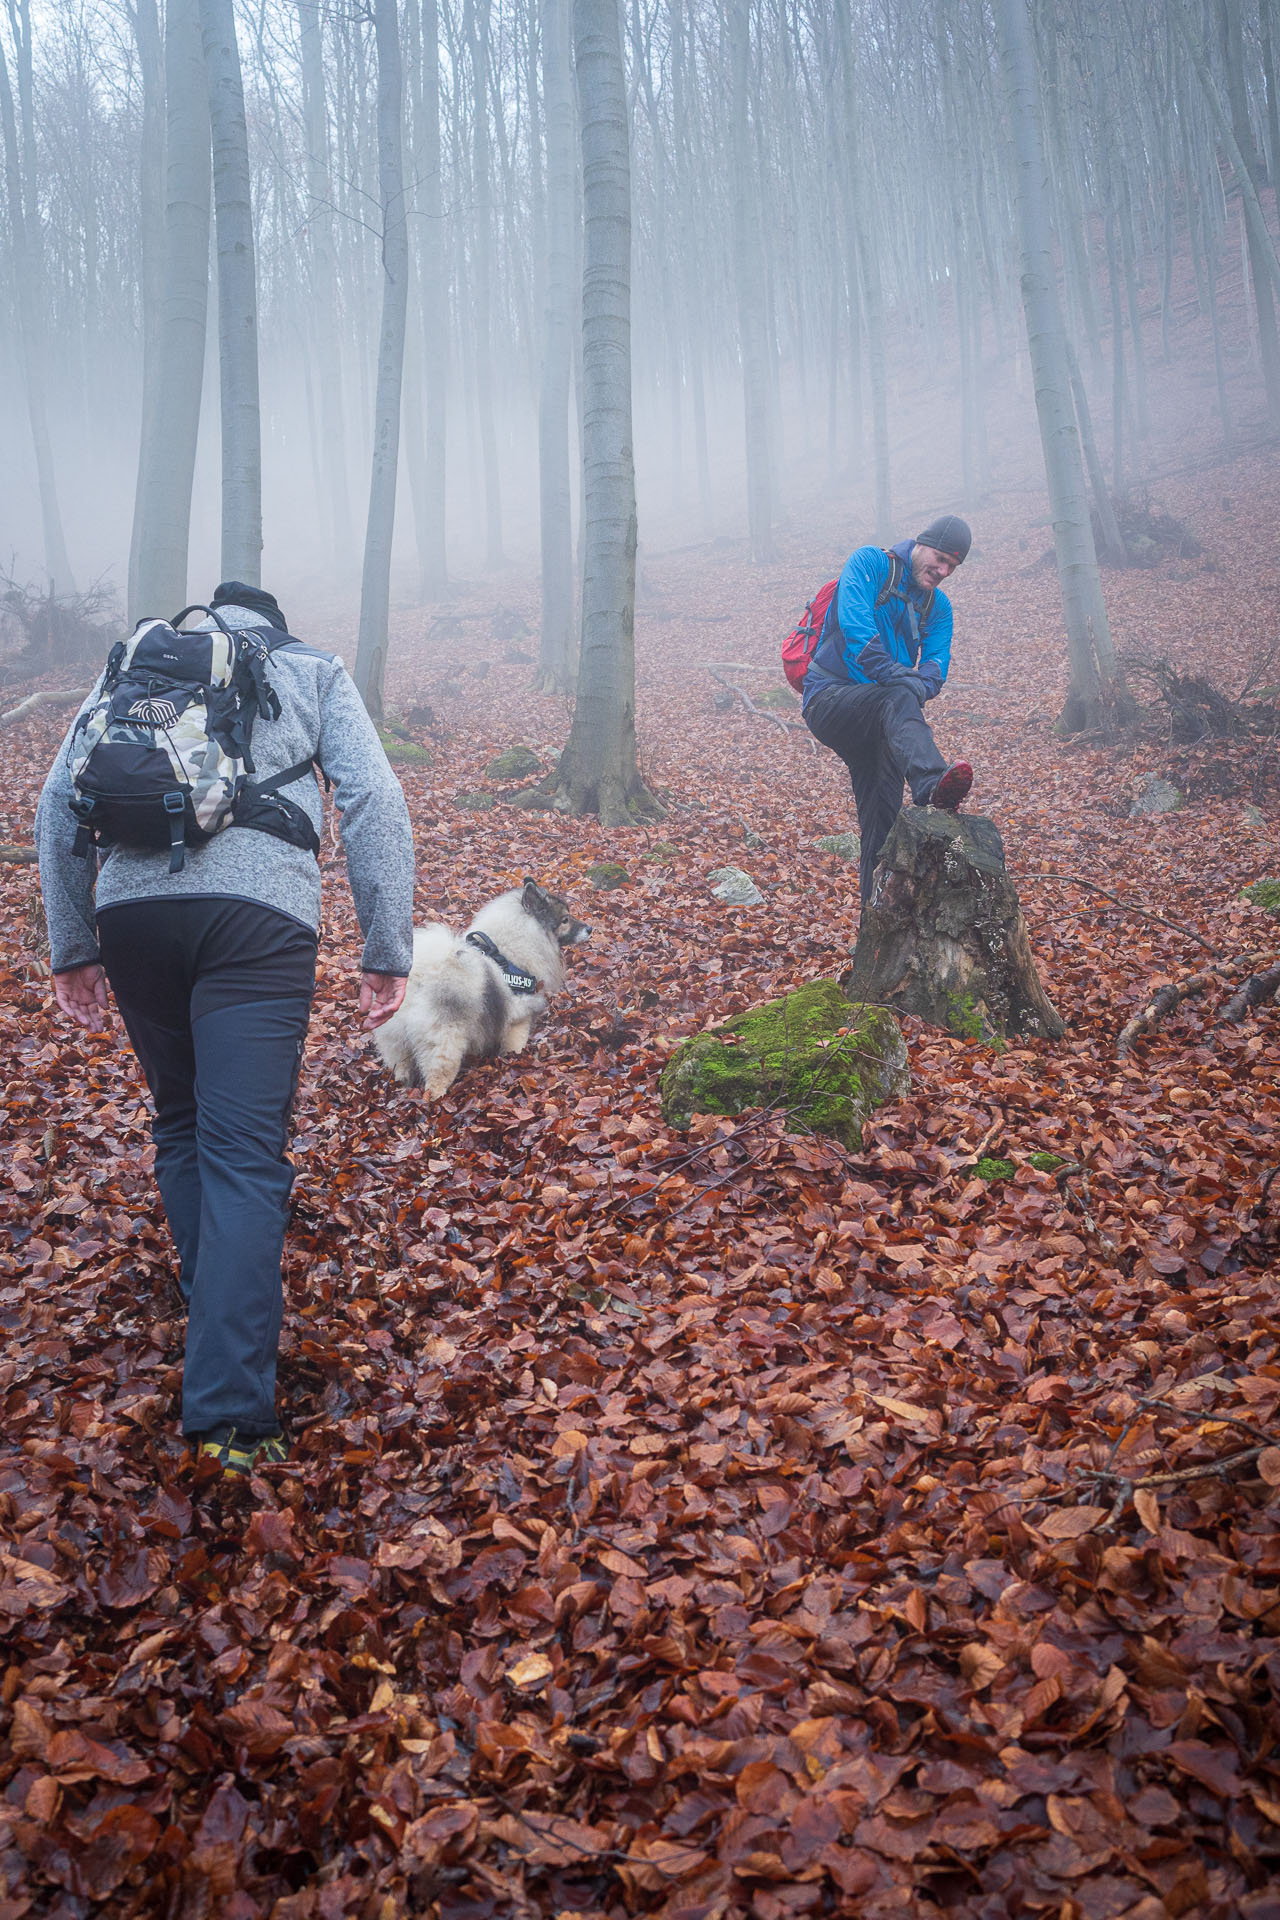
(81, 993)
(380, 997)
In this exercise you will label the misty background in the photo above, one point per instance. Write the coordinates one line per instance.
(825, 265)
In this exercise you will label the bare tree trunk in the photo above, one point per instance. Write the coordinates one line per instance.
(324, 267)
(555, 657)
(867, 259)
(151, 199)
(598, 772)
(481, 316)
(27, 254)
(237, 299)
(375, 589)
(748, 273)
(171, 424)
(1094, 684)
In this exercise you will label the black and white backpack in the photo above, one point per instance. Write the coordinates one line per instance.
(163, 757)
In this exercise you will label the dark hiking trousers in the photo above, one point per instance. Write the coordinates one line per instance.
(883, 738)
(215, 996)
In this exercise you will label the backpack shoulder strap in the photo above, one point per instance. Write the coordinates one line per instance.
(894, 581)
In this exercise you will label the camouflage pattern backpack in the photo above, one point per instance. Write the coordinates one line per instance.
(163, 758)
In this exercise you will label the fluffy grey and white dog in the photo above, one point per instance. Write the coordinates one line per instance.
(472, 995)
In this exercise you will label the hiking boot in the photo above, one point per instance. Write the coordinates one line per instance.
(241, 1453)
(952, 786)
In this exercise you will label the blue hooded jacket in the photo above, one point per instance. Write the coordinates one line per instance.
(873, 646)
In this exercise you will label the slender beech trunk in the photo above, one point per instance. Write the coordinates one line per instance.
(171, 424)
(151, 200)
(477, 19)
(748, 273)
(324, 292)
(865, 252)
(26, 255)
(433, 300)
(237, 299)
(1094, 682)
(598, 772)
(1113, 546)
(555, 656)
(375, 587)
(1264, 265)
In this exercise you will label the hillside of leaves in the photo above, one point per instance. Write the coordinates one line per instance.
(709, 1525)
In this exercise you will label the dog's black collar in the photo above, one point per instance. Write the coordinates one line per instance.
(517, 979)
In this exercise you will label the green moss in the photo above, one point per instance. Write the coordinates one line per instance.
(663, 852)
(963, 1017)
(405, 753)
(1264, 894)
(1046, 1162)
(607, 874)
(474, 802)
(791, 1053)
(987, 1169)
(776, 697)
(517, 763)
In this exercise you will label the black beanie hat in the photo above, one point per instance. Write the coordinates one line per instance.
(947, 534)
(234, 593)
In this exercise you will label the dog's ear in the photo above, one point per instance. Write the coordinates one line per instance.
(531, 895)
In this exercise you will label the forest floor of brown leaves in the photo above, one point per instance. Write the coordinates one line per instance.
(710, 1525)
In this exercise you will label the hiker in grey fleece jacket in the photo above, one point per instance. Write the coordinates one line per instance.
(212, 969)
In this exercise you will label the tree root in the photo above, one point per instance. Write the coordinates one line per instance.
(18, 856)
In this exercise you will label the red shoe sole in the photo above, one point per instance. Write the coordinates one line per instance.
(952, 786)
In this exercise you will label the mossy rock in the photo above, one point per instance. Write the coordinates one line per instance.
(474, 802)
(827, 1063)
(536, 799)
(405, 753)
(1046, 1162)
(516, 763)
(995, 1169)
(777, 698)
(607, 874)
(1264, 894)
(663, 852)
(845, 846)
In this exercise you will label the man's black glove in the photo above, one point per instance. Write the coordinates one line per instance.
(917, 685)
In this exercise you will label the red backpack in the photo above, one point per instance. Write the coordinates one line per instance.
(801, 643)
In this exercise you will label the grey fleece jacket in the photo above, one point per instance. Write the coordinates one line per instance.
(321, 715)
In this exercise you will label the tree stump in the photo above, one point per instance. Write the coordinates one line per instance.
(943, 935)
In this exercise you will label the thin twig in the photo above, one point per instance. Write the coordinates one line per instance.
(1219, 1419)
(1143, 913)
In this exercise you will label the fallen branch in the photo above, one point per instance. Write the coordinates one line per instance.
(718, 674)
(71, 696)
(1143, 913)
(18, 856)
(1165, 999)
(1256, 991)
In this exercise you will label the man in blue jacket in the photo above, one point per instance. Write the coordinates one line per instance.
(884, 651)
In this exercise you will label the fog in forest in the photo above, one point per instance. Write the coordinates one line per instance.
(826, 291)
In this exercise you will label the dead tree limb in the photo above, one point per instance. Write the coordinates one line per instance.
(71, 696)
(1143, 913)
(1165, 999)
(718, 673)
(1255, 992)
(18, 856)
